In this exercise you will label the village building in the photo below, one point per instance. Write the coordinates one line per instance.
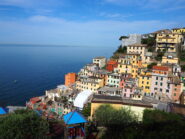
(89, 83)
(113, 79)
(145, 80)
(70, 79)
(159, 80)
(99, 61)
(110, 91)
(170, 58)
(111, 64)
(171, 42)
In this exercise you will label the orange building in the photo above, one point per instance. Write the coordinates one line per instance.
(70, 78)
(111, 64)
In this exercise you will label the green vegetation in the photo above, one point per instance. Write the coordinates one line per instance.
(182, 55)
(160, 54)
(155, 124)
(112, 118)
(123, 37)
(151, 65)
(119, 51)
(87, 110)
(23, 124)
(150, 41)
(183, 68)
(157, 116)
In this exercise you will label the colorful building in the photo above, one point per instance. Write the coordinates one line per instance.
(169, 41)
(137, 49)
(178, 30)
(170, 58)
(145, 79)
(99, 61)
(70, 79)
(159, 80)
(113, 79)
(129, 63)
(174, 85)
(89, 83)
(111, 64)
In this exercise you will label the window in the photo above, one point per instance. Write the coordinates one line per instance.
(174, 94)
(161, 78)
(156, 83)
(161, 84)
(156, 78)
(161, 89)
(147, 82)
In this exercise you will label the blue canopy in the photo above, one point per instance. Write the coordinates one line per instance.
(74, 117)
(3, 111)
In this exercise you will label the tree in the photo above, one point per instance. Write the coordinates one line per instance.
(23, 124)
(183, 68)
(158, 116)
(112, 118)
(160, 54)
(150, 41)
(151, 65)
(87, 110)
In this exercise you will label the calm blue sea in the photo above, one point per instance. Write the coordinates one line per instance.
(37, 68)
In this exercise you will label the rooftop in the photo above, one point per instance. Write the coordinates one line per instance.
(109, 89)
(163, 68)
(99, 57)
(119, 100)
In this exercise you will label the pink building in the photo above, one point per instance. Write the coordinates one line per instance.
(124, 77)
(174, 85)
(159, 86)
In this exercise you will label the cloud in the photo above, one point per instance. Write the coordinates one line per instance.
(51, 30)
(114, 15)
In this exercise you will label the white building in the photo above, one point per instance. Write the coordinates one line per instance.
(131, 39)
(100, 61)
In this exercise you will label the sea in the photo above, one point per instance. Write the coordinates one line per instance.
(27, 71)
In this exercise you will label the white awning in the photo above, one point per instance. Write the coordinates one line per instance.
(82, 98)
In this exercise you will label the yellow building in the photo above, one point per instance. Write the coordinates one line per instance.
(169, 41)
(129, 63)
(145, 82)
(137, 49)
(178, 30)
(89, 83)
(170, 58)
(137, 106)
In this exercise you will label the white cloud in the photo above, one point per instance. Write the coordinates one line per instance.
(114, 15)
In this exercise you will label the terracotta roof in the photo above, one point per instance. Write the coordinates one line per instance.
(112, 62)
(163, 68)
(35, 99)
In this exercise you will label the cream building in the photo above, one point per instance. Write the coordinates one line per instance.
(89, 83)
(169, 41)
(99, 61)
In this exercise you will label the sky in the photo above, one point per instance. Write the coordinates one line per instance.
(85, 22)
